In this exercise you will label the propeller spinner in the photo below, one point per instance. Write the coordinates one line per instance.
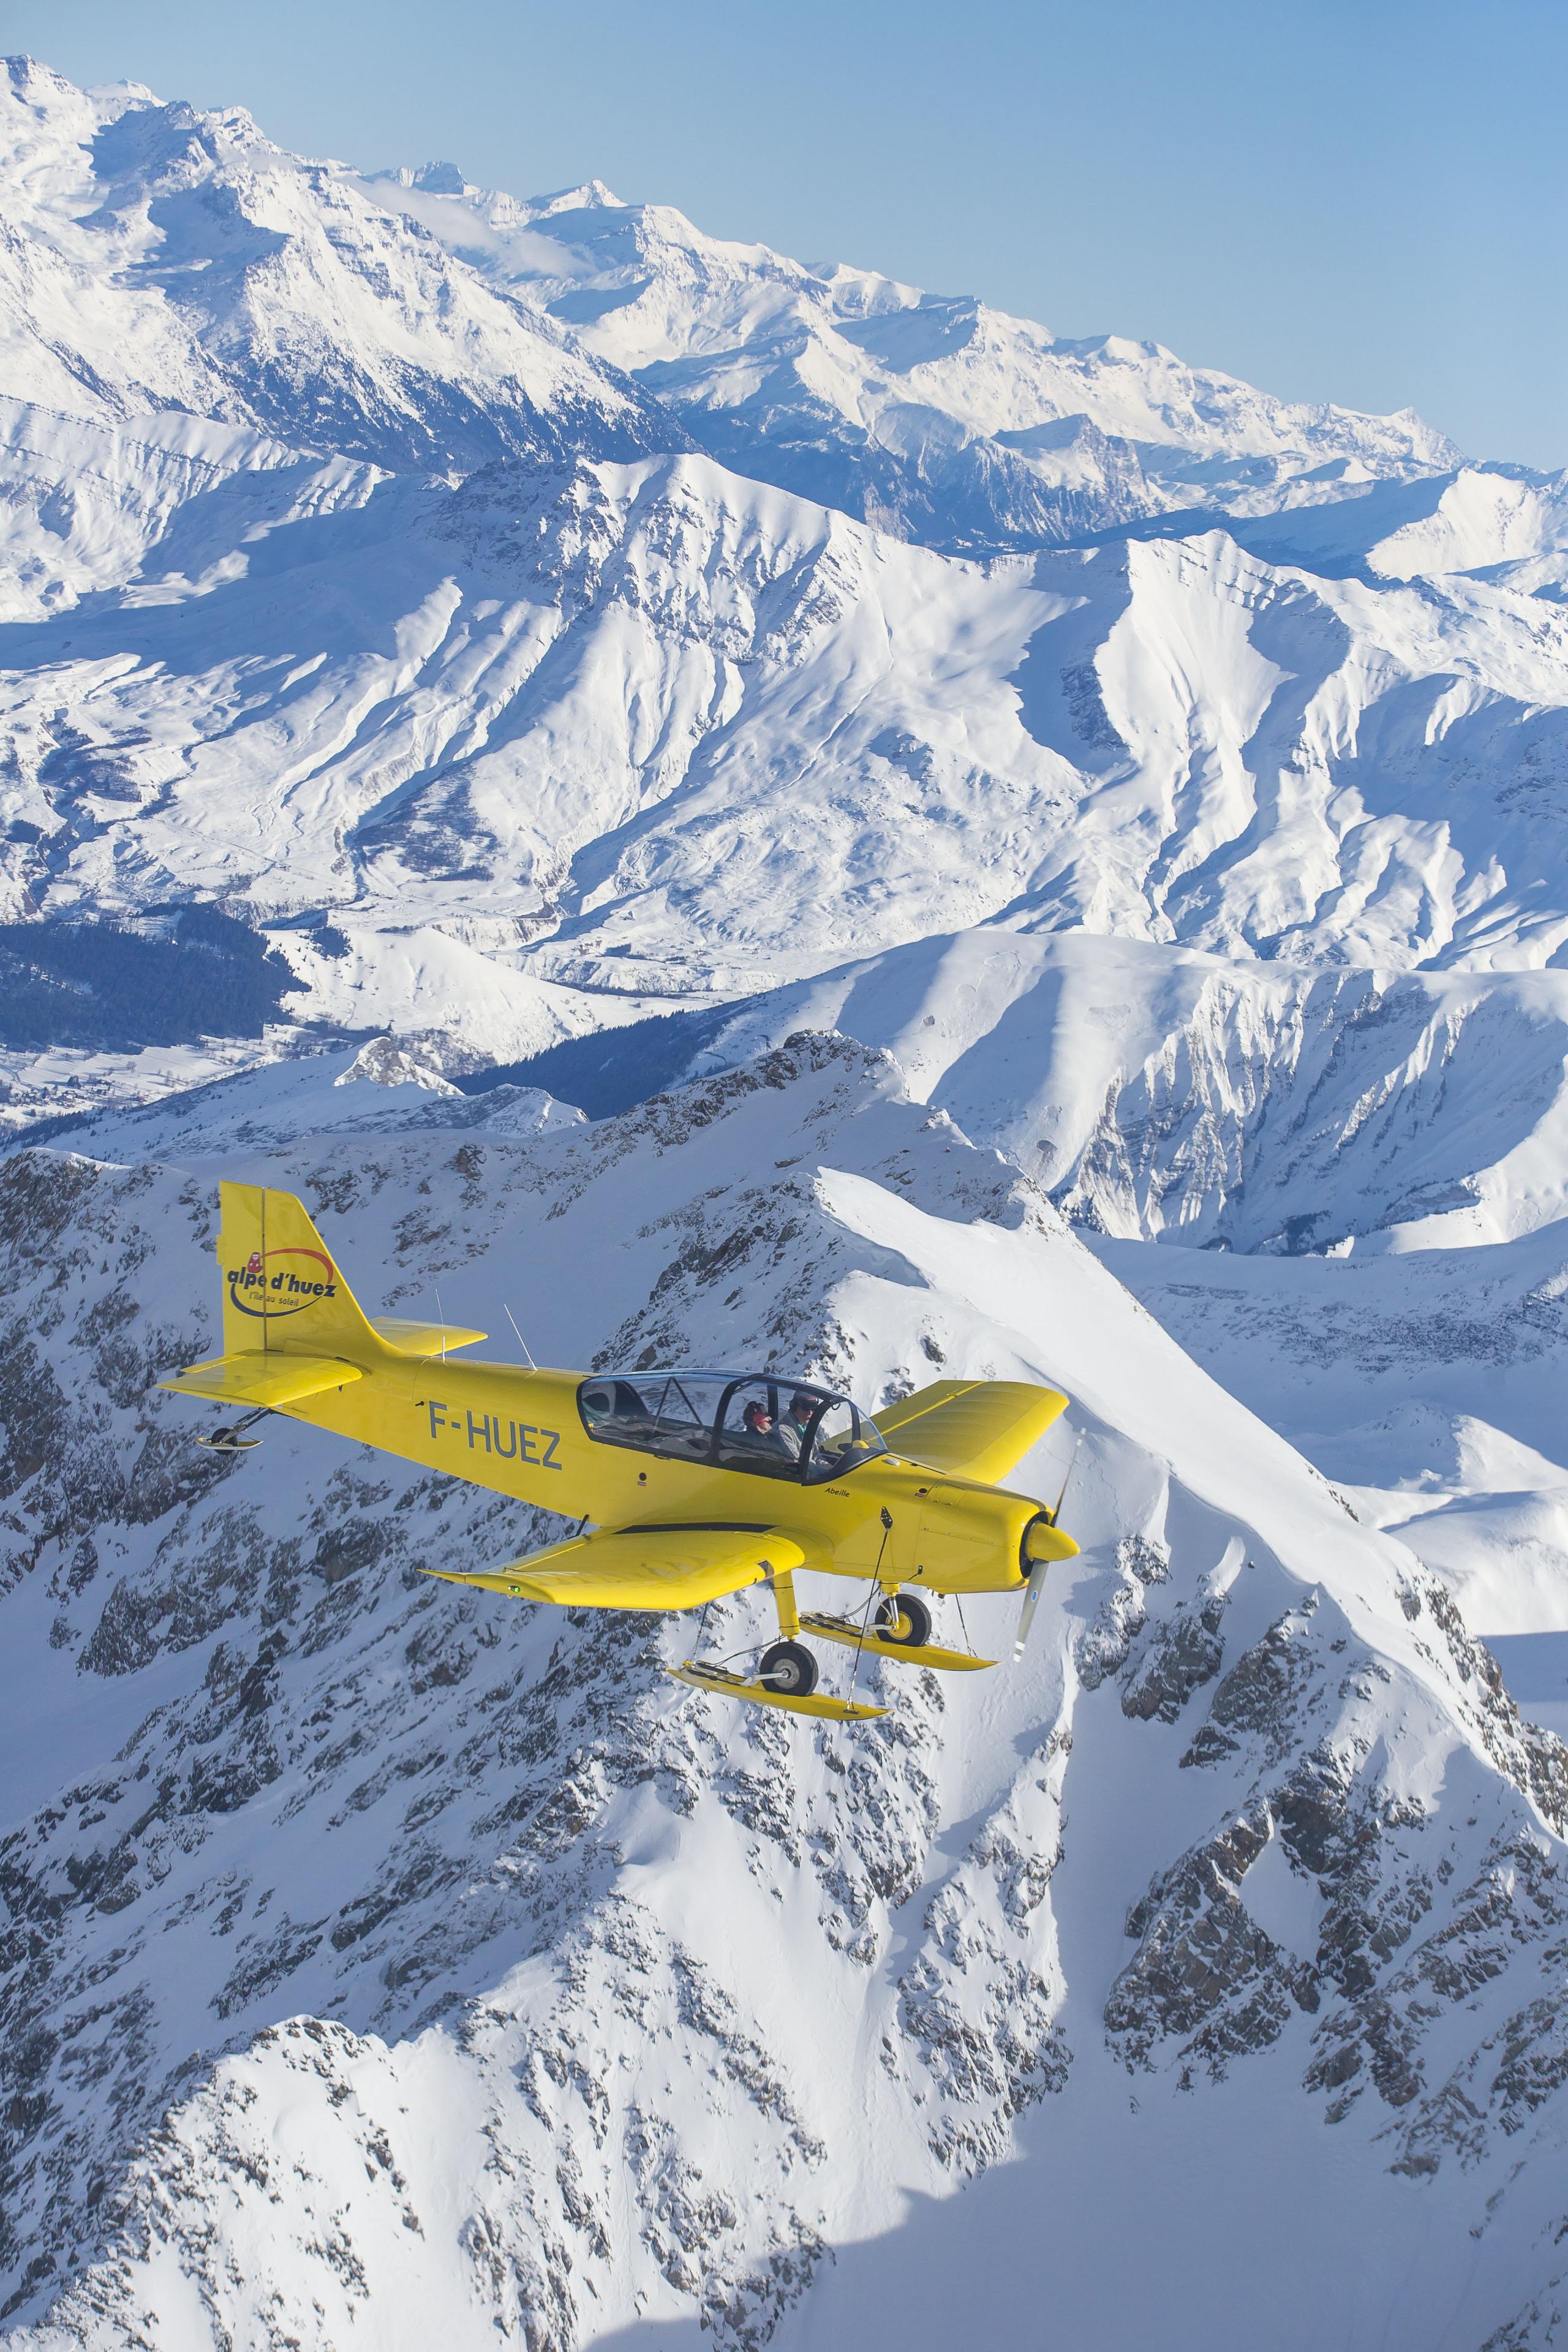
(1041, 1560)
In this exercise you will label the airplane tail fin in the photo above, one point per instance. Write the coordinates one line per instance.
(281, 1287)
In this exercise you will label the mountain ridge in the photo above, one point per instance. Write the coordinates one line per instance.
(939, 419)
(412, 1872)
(177, 259)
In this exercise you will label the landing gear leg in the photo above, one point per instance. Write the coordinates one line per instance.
(781, 1584)
(788, 1666)
(903, 1617)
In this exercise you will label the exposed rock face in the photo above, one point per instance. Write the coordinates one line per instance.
(442, 1950)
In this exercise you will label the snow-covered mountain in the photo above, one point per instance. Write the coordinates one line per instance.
(359, 576)
(534, 615)
(934, 417)
(272, 1105)
(1163, 1094)
(651, 730)
(387, 1961)
(1427, 1387)
(160, 260)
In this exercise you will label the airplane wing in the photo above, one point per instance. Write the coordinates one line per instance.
(971, 1429)
(675, 1566)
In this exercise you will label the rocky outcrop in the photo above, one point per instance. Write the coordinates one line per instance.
(450, 1956)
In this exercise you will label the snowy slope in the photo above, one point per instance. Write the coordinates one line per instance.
(1498, 521)
(387, 1962)
(85, 504)
(1164, 1093)
(935, 417)
(159, 259)
(653, 729)
(305, 1095)
(1432, 1389)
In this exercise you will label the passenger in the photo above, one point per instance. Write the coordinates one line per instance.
(758, 1423)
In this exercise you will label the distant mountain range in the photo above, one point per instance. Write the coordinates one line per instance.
(538, 615)
(932, 416)
(364, 577)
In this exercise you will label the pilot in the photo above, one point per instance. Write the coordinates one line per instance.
(795, 1422)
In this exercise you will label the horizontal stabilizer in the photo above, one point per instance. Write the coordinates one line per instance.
(423, 1338)
(668, 1567)
(271, 1379)
(971, 1429)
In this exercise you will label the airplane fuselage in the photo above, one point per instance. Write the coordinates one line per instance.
(521, 1433)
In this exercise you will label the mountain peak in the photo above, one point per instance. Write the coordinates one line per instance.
(439, 178)
(232, 279)
(587, 196)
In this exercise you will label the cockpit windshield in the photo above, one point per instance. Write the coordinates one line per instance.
(759, 1423)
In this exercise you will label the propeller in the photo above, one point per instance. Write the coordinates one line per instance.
(1037, 1573)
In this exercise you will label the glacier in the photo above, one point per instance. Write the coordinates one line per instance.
(1072, 843)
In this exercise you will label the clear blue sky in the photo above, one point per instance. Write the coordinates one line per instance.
(1355, 200)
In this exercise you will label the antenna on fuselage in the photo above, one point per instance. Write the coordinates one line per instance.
(441, 1318)
(521, 1342)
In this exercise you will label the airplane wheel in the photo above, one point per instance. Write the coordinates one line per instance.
(904, 1617)
(788, 1668)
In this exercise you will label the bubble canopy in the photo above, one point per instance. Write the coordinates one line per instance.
(757, 1421)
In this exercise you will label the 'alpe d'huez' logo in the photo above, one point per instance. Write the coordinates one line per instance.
(264, 1285)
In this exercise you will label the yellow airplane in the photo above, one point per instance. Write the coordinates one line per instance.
(695, 1483)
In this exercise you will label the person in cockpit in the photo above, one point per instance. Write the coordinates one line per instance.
(795, 1424)
(762, 1432)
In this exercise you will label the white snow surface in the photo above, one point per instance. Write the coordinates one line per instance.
(394, 1964)
(160, 258)
(650, 729)
(343, 578)
(934, 417)
(540, 613)
(304, 1095)
(1430, 1388)
(64, 1081)
(1166, 1094)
